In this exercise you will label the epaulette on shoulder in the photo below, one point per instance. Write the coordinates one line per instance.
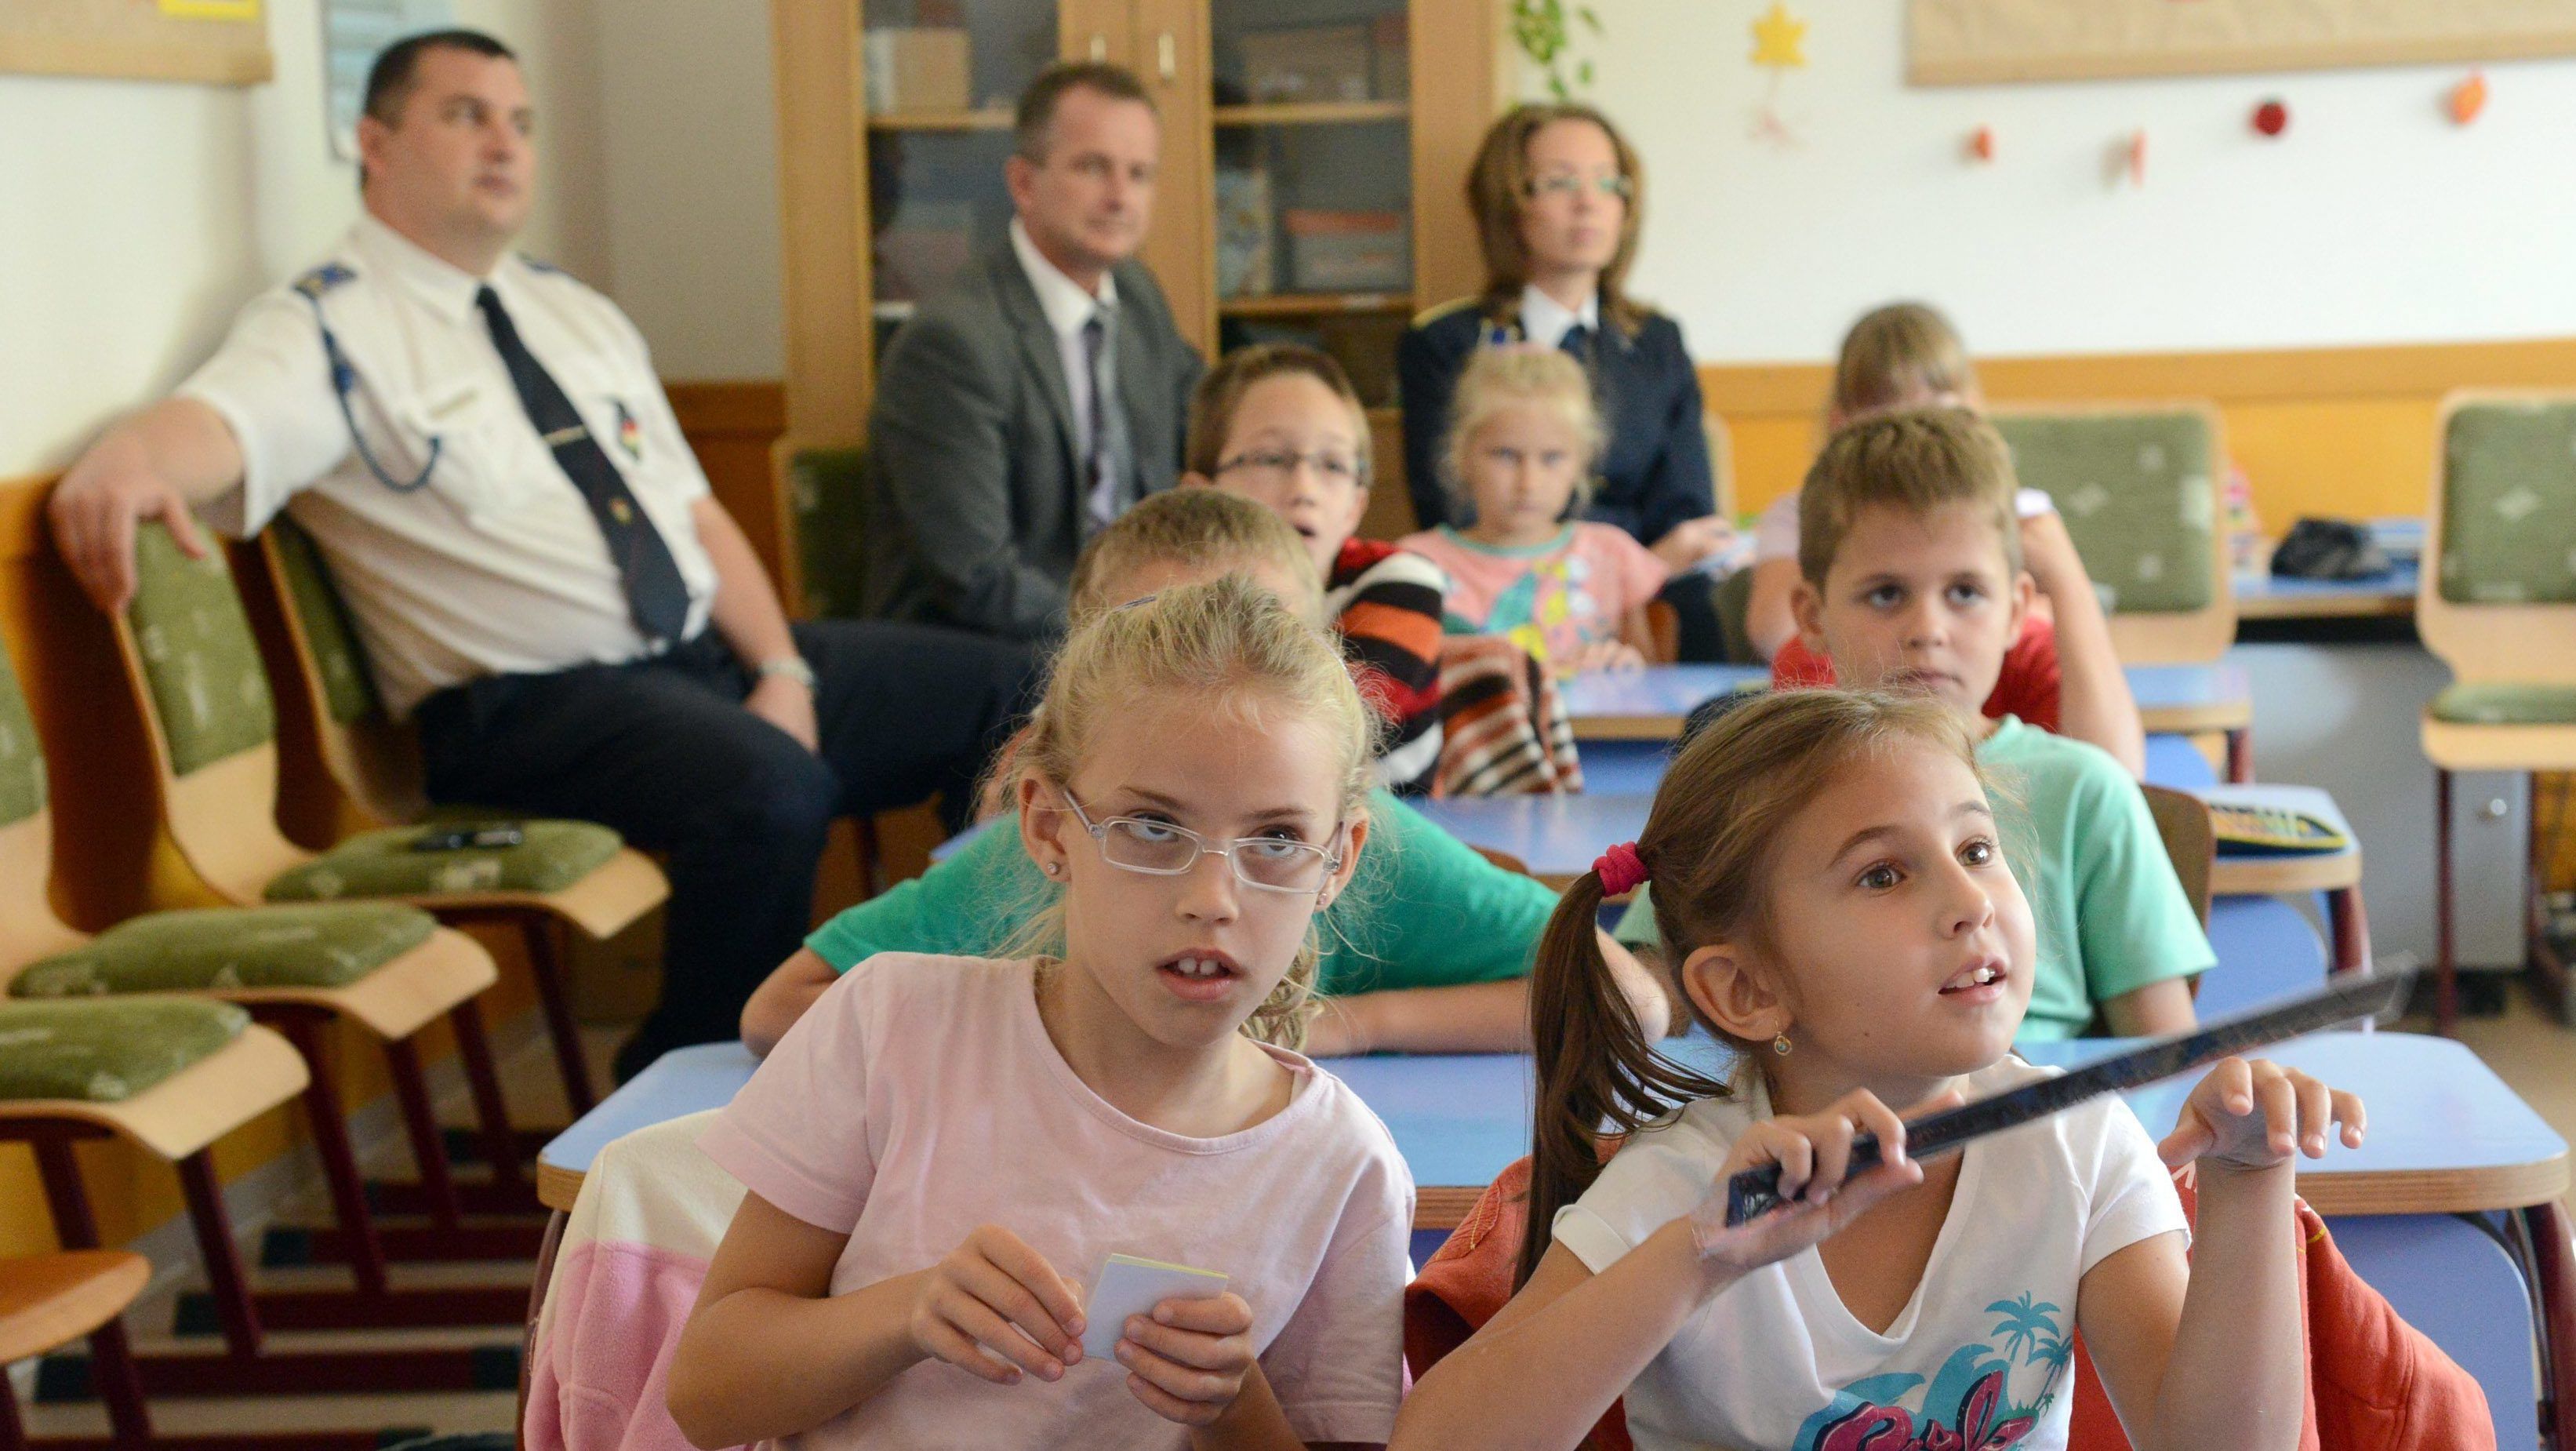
(1430, 315)
(323, 278)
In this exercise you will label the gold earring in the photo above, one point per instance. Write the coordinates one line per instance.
(1780, 1045)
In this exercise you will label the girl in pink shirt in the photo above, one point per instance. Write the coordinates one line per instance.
(1523, 436)
(942, 1152)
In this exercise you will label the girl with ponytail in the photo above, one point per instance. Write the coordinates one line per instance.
(1831, 887)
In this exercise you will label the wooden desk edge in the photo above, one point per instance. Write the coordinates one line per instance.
(558, 1188)
(2280, 876)
(2183, 720)
(2324, 607)
(1626, 727)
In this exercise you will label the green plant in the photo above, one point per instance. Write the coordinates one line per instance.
(1544, 30)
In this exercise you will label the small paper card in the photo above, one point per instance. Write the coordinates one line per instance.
(1130, 1286)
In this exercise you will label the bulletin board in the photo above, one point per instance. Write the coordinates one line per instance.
(223, 42)
(1961, 42)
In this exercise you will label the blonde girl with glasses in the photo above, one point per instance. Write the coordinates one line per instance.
(942, 1152)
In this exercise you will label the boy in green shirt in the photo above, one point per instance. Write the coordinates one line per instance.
(1911, 579)
(1427, 951)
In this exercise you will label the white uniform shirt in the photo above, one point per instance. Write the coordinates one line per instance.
(1545, 321)
(1067, 308)
(1980, 1356)
(495, 565)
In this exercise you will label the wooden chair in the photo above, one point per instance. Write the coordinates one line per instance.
(822, 566)
(2497, 602)
(2139, 489)
(217, 1072)
(48, 1300)
(2182, 820)
(387, 968)
(194, 670)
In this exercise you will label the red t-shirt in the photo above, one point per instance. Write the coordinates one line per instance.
(2027, 688)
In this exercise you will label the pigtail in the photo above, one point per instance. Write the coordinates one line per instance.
(1597, 1072)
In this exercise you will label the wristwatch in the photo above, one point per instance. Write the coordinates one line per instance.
(791, 666)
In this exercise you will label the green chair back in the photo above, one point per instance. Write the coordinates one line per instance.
(2137, 490)
(827, 508)
(2509, 503)
(22, 755)
(337, 661)
(200, 663)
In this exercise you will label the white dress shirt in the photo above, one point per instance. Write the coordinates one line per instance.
(495, 564)
(1545, 321)
(1067, 308)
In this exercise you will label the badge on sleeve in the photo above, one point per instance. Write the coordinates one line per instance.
(630, 434)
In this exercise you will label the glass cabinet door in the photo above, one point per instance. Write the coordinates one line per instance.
(940, 79)
(1313, 232)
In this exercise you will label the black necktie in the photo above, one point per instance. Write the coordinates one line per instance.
(654, 590)
(1578, 341)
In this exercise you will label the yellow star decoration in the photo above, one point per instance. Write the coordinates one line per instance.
(1778, 37)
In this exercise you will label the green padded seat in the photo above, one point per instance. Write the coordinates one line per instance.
(105, 1052)
(200, 660)
(555, 855)
(337, 660)
(2506, 704)
(327, 945)
(827, 493)
(2509, 504)
(2135, 492)
(22, 755)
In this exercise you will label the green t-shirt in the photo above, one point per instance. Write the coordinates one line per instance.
(1423, 909)
(2110, 914)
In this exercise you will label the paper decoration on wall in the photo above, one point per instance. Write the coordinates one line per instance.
(2468, 98)
(2129, 159)
(1981, 144)
(2272, 118)
(1779, 46)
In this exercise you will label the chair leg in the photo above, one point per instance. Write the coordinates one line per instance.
(245, 1366)
(491, 1111)
(554, 996)
(2350, 929)
(2446, 964)
(420, 1125)
(2240, 756)
(2554, 1287)
(330, 1130)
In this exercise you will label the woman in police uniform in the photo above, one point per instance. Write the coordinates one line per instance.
(1558, 198)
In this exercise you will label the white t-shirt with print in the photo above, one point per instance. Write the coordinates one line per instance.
(1979, 1357)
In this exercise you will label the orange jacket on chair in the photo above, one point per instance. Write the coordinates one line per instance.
(2375, 1383)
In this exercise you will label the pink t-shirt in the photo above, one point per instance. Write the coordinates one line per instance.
(921, 1097)
(1551, 599)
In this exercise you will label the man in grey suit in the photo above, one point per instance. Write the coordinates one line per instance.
(1044, 391)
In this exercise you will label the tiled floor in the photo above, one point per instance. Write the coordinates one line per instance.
(2524, 1045)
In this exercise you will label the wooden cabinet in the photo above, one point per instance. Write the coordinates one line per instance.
(1314, 158)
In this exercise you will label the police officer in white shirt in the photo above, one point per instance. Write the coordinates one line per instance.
(536, 567)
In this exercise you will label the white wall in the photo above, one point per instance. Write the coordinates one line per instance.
(2373, 220)
(141, 215)
(687, 112)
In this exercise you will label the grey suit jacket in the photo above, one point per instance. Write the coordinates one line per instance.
(975, 497)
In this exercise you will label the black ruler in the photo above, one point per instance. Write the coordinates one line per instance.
(2350, 998)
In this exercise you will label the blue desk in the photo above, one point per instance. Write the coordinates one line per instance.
(2446, 1138)
(1651, 704)
(1554, 837)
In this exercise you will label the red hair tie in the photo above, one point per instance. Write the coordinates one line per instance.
(1620, 869)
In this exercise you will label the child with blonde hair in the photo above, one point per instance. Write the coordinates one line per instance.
(2061, 673)
(1830, 872)
(1396, 974)
(942, 1153)
(1524, 434)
